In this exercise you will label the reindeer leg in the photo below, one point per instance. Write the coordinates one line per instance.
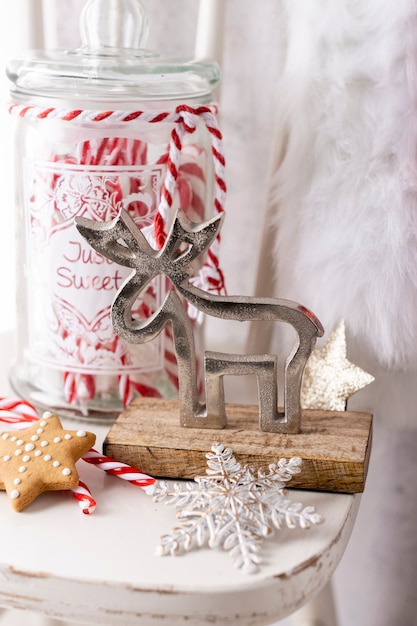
(192, 413)
(294, 370)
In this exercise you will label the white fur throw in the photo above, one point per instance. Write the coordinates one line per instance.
(345, 189)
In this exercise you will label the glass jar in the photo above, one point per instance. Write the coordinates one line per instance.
(96, 129)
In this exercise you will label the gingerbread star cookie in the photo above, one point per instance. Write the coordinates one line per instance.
(40, 458)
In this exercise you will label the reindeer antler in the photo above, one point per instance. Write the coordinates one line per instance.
(105, 237)
(199, 236)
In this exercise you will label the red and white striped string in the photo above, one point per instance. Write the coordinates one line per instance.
(93, 115)
(18, 414)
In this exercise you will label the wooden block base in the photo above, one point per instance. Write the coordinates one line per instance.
(334, 446)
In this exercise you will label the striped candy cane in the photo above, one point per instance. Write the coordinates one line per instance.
(115, 468)
(14, 411)
(84, 498)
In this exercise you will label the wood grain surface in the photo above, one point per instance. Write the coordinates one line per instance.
(334, 446)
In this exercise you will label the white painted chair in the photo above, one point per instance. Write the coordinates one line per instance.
(102, 569)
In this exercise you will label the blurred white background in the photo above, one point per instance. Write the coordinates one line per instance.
(375, 584)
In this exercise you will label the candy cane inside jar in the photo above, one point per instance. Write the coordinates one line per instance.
(106, 127)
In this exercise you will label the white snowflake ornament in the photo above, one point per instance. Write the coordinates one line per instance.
(234, 507)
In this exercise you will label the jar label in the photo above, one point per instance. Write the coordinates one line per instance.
(71, 287)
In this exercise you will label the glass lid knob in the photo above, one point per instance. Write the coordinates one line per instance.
(113, 24)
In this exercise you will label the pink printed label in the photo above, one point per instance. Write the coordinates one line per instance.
(71, 287)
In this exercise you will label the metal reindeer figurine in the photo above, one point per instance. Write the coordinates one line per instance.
(122, 241)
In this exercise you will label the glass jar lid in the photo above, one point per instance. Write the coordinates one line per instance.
(112, 64)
